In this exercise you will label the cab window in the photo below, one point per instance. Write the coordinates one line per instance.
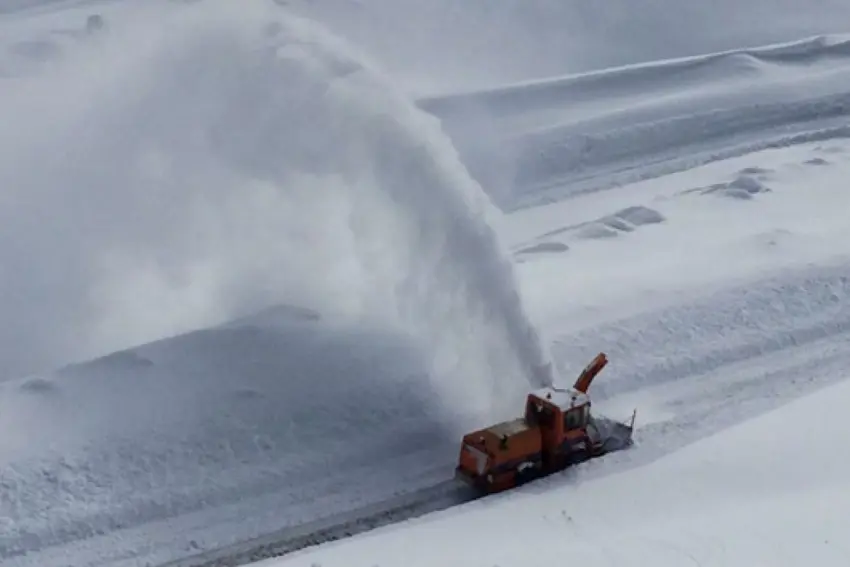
(575, 418)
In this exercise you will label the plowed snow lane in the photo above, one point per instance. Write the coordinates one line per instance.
(290, 540)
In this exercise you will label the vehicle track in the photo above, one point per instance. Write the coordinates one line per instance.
(288, 540)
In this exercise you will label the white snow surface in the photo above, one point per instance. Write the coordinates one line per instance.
(515, 40)
(302, 302)
(564, 398)
(770, 491)
(714, 316)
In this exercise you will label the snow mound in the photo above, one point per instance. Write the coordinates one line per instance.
(816, 161)
(626, 220)
(599, 230)
(210, 419)
(609, 226)
(544, 247)
(743, 187)
(755, 170)
(639, 216)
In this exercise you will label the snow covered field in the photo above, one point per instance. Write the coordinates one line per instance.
(285, 298)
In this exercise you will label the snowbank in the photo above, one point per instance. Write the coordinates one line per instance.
(540, 141)
(208, 420)
(770, 491)
(522, 39)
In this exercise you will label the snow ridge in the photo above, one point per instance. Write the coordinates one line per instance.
(641, 121)
(656, 75)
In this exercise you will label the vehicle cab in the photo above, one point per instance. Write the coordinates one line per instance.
(563, 416)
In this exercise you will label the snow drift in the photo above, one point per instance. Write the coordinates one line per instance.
(517, 40)
(209, 419)
(539, 141)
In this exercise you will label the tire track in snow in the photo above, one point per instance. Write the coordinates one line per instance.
(290, 540)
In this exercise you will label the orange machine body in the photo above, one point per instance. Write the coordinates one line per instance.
(556, 431)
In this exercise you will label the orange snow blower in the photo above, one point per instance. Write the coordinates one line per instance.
(557, 431)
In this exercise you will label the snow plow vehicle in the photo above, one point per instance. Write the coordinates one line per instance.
(557, 431)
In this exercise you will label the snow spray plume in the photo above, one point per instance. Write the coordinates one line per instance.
(212, 163)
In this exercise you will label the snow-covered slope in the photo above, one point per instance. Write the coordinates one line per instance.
(771, 491)
(543, 140)
(214, 418)
(515, 40)
(176, 171)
